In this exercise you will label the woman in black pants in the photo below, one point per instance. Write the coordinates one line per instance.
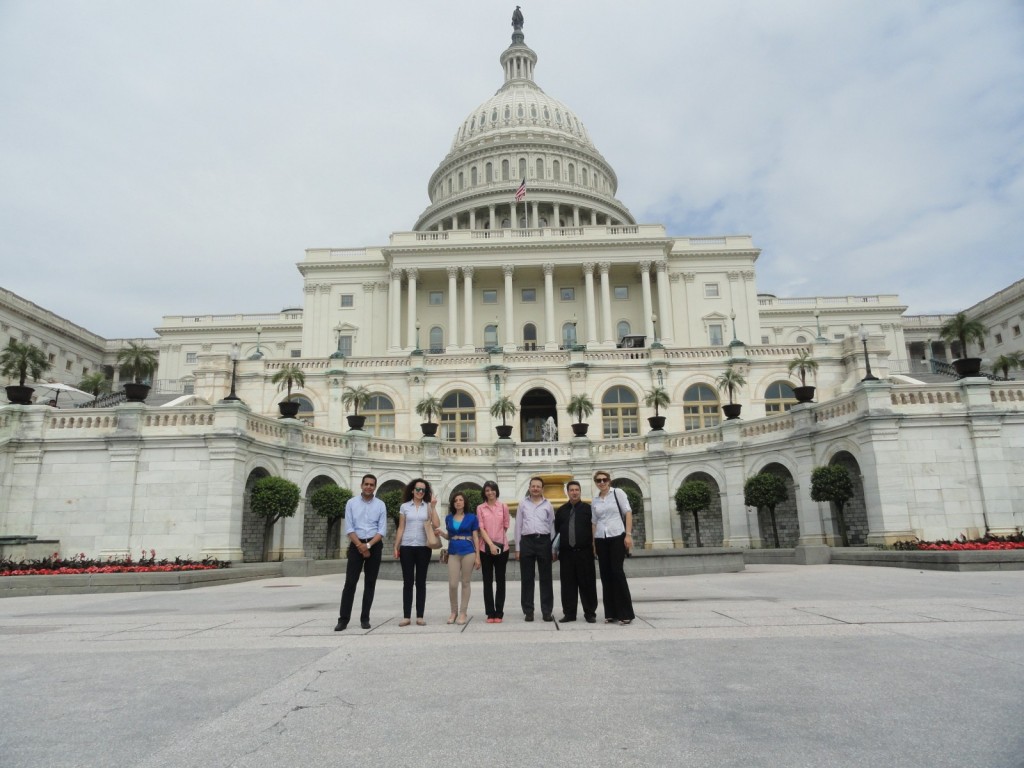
(494, 521)
(613, 537)
(419, 506)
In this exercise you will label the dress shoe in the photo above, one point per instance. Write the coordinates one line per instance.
(548, 617)
(528, 617)
(566, 619)
(340, 626)
(364, 624)
(591, 619)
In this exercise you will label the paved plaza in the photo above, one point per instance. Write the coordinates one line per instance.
(775, 666)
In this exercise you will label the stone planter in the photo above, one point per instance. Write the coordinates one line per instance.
(580, 430)
(967, 366)
(656, 422)
(504, 431)
(803, 394)
(19, 395)
(288, 409)
(356, 422)
(429, 429)
(136, 393)
(732, 410)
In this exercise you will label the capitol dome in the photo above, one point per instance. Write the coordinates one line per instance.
(522, 135)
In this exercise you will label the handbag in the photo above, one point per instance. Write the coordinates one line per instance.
(433, 540)
(615, 493)
(444, 556)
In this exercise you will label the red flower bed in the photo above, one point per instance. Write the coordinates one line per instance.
(963, 544)
(55, 565)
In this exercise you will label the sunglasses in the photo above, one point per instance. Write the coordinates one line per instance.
(419, 490)
(601, 480)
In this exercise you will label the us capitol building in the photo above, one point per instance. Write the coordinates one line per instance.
(525, 277)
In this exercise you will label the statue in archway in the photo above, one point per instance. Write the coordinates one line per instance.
(517, 18)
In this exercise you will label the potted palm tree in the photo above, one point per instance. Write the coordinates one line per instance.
(428, 408)
(730, 381)
(94, 383)
(136, 362)
(288, 375)
(962, 329)
(503, 408)
(580, 406)
(803, 364)
(356, 397)
(1005, 362)
(656, 398)
(18, 360)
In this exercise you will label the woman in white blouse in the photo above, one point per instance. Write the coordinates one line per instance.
(613, 537)
(411, 549)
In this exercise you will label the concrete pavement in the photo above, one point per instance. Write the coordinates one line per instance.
(774, 666)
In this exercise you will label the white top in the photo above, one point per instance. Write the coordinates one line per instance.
(415, 517)
(606, 514)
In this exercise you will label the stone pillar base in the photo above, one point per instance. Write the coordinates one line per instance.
(813, 554)
(741, 542)
(299, 566)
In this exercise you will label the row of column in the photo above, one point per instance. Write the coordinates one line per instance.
(528, 209)
(592, 335)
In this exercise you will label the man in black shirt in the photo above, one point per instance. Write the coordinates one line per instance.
(574, 526)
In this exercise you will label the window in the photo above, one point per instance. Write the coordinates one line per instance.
(622, 329)
(436, 340)
(461, 184)
(85, 370)
(296, 353)
(522, 167)
(838, 336)
(380, 416)
(529, 295)
(801, 339)
(1016, 331)
(540, 168)
(458, 418)
(472, 176)
(556, 168)
(504, 170)
(779, 397)
(345, 345)
(490, 297)
(67, 365)
(765, 340)
(711, 290)
(620, 293)
(700, 407)
(348, 300)
(999, 338)
(568, 335)
(191, 358)
(435, 298)
(188, 388)
(490, 336)
(52, 358)
(530, 337)
(489, 172)
(715, 335)
(619, 413)
(567, 294)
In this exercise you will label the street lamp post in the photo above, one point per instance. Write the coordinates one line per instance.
(338, 354)
(418, 350)
(817, 322)
(867, 361)
(257, 355)
(654, 324)
(232, 397)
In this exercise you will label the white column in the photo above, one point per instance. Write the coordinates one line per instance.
(510, 336)
(664, 302)
(494, 224)
(467, 300)
(575, 215)
(606, 303)
(453, 310)
(644, 268)
(536, 215)
(555, 216)
(588, 279)
(472, 218)
(395, 311)
(411, 274)
(550, 340)
(593, 217)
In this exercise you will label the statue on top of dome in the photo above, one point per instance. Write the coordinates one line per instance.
(517, 18)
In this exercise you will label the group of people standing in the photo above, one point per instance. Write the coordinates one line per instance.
(575, 535)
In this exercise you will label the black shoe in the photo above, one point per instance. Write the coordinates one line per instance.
(340, 626)
(364, 624)
(548, 617)
(566, 619)
(591, 619)
(528, 617)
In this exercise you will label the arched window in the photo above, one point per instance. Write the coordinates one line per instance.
(489, 172)
(622, 329)
(556, 170)
(380, 416)
(779, 397)
(504, 170)
(458, 418)
(619, 413)
(568, 335)
(530, 337)
(700, 407)
(449, 185)
(540, 168)
(522, 167)
(572, 173)
(520, 112)
(436, 340)
(583, 175)
(472, 176)
(490, 336)
(460, 181)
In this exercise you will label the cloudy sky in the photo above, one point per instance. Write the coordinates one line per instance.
(178, 157)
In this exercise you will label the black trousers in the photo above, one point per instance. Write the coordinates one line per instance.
(355, 566)
(492, 568)
(611, 554)
(535, 555)
(415, 561)
(578, 577)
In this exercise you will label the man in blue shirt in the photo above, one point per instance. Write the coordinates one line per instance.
(366, 525)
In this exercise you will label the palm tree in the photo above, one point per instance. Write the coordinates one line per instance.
(428, 408)
(580, 406)
(287, 376)
(503, 407)
(356, 397)
(804, 364)
(136, 361)
(19, 360)
(1005, 362)
(94, 383)
(657, 398)
(963, 329)
(730, 381)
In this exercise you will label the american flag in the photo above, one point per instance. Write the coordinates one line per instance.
(521, 192)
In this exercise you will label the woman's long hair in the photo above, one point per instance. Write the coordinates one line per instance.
(408, 494)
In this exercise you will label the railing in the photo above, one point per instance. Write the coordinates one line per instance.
(829, 301)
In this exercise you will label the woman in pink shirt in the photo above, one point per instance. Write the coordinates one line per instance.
(494, 522)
